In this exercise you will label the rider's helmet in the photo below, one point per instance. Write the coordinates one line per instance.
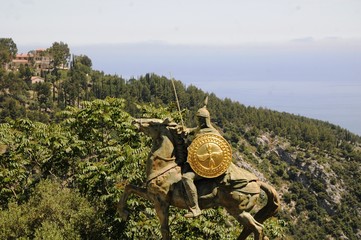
(203, 113)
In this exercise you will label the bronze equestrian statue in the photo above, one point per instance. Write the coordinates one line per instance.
(169, 171)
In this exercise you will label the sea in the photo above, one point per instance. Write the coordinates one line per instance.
(319, 81)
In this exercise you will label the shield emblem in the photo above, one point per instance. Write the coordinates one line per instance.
(209, 155)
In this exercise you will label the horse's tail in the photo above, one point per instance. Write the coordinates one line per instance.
(267, 211)
(273, 203)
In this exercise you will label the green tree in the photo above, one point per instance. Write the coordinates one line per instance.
(8, 50)
(43, 94)
(84, 60)
(11, 108)
(25, 73)
(52, 212)
(60, 54)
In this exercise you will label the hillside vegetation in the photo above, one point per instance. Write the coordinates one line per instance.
(67, 148)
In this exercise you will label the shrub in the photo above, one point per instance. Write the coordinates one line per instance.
(52, 212)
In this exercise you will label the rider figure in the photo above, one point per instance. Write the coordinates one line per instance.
(189, 176)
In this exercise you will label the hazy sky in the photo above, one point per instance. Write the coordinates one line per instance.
(297, 56)
(79, 22)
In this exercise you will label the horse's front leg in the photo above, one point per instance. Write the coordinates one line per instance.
(130, 189)
(162, 209)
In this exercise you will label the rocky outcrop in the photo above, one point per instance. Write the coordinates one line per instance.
(313, 183)
(310, 170)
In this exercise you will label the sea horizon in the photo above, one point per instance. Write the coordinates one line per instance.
(318, 81)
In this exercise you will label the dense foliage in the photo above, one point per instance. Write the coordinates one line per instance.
(8, 50)
(67, 148)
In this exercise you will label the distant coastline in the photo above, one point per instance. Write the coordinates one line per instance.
(317, 81)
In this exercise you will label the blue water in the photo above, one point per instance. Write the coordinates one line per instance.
(320, 83)
(335, 102)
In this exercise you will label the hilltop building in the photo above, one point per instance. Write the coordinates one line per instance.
(39, 59)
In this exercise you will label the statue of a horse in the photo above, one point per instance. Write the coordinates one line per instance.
(237, 190)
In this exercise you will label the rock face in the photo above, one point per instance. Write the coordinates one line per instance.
(317, 187)
(311, 170)
(263, 140)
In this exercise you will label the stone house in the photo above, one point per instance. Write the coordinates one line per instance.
(39, 59)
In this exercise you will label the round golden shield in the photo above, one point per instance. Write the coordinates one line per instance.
(209, 155)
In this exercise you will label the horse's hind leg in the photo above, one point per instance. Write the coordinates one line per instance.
(251, 224)
(129, 189)
(162, 209)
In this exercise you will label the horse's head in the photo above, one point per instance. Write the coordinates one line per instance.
(162, 154)
(153, 127)
(149, 126)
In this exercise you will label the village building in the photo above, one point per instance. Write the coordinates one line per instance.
(39, 59)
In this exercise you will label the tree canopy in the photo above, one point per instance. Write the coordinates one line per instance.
(60, 53)
(8, 50)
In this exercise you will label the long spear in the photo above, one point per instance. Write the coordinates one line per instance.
(176, 98)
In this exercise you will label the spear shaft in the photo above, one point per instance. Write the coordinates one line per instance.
(176, 98)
